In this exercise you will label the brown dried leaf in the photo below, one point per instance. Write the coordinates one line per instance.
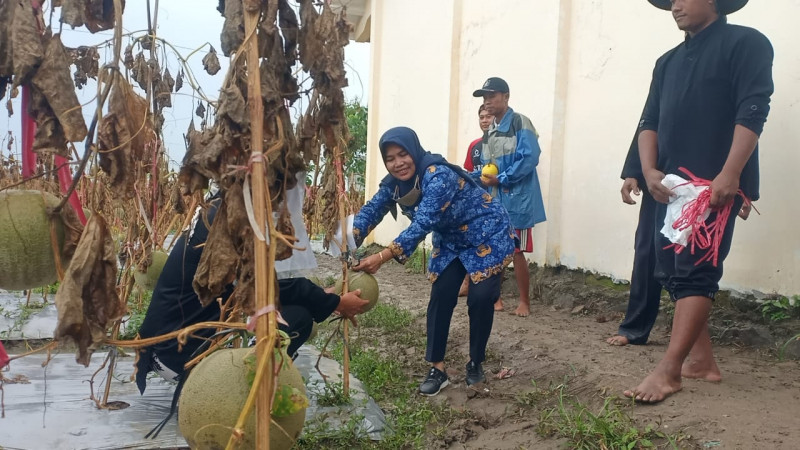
(97, 15)
(128, 59)
(141, 71)
(123, 135)
(26, 44)
(7, 10)
(232, 34)
(218, 262)
(211, 62)
(200, 111)
(54, 81)
(87, 299)
(179, 81)
(232, 107)
(86, 61)
(167, 78)
(49, 137)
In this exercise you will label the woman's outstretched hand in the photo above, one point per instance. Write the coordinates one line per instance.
(372, 263)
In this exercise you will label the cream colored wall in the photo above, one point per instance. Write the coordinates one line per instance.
(580, 70)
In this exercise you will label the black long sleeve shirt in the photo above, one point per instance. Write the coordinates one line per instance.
(702, 89)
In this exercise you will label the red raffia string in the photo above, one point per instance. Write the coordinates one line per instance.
(706, 234)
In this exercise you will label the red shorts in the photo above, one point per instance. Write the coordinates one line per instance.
(525, 237)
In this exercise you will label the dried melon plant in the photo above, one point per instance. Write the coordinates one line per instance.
(245, 143)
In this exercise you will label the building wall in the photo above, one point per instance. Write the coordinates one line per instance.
(580, 70)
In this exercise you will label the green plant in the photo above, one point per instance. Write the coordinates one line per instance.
(417, 262)
(781, 308)
(332, 394)
(608, 428)
(386, 317)
(137, 309)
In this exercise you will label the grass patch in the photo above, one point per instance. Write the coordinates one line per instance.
(418, 261)
(137, 309)
(332, 394)
(780, 309)
(23, 314)
(387, 317)
(410, 418)
(606, 427)
(606, 282)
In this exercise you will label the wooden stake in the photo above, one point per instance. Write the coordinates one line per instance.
(264, 295)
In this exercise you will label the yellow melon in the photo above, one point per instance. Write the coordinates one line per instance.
(215, 393)
(489, 169)
(364, 281)
(26, 251)
(147, 280)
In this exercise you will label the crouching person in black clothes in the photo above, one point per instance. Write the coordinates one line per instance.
(175, 305)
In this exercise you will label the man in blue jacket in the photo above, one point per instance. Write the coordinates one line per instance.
(512, 145)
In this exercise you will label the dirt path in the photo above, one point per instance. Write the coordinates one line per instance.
(756, 406)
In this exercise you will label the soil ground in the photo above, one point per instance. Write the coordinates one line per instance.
(757, 404)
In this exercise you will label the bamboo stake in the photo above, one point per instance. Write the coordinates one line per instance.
(266, 324)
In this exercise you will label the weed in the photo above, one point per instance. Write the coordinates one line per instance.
(137, 309)
(332, 394)
(417, 263)
(609, 428)
(781, 308)
(386, 317)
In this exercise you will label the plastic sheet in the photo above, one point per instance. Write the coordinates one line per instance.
(53, 411)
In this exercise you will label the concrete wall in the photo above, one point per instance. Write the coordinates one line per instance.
(580, 70)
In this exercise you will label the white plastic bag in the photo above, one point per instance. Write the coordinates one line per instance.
(302, 262)
(334, 249)
(682, 193)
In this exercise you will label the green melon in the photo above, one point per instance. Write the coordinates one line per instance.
(364, 281)
(26, 252)
(215, 393)
(147, 280)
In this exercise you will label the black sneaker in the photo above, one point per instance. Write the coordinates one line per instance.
(474, 373)
(436, 381)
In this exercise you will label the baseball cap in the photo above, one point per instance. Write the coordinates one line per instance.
(493, 84)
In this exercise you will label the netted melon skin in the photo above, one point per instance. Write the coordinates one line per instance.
(26, 252)
(364, 281)
(214, 395)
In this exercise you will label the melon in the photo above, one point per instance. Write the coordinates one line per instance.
(364, 281)
(26, 250)
(215, 393)
(147, 280)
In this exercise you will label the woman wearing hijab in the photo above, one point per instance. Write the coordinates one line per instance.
(472, 235)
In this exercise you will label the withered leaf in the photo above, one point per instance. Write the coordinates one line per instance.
(123, 135)
(141, 71)
(87, 300)
(97, 15)
(26, 44)
(232, 34)
(179, 81)
(49, 137)
(232, 106)
(211, 62)
(200, 111)
(7, 10)
(128, 60)
(167, 78)
(54, 81)
(219, 260)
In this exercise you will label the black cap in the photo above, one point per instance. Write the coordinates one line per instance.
(493, 84)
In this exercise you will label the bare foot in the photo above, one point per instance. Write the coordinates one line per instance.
(522, 310)
(618, 341)
(701, 371)
(498, 305)
(654, 388)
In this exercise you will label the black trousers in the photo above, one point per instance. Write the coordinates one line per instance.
(480, 307)
(645, 294)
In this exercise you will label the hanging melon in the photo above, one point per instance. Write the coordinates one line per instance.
(364, 281)
(26, 250)
(215, 393)
(147, 280)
